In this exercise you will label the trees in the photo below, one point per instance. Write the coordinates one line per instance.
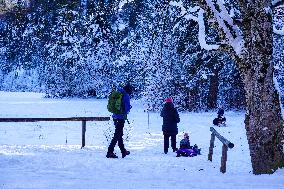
(278, 55)
(245, 32)
(102, 43)
(78, 46)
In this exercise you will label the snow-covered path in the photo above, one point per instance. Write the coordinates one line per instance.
(47, 155)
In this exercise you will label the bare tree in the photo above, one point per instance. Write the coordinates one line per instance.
(246, 32)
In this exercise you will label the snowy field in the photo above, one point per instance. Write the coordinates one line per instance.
(47, 155)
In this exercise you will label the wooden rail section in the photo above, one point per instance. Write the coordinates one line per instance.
(83, 119)
(226, 144)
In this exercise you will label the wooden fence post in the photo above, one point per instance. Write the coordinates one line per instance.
(226, 144)
(83, 132)
(83, 119)
(224, 158)
(211, 147)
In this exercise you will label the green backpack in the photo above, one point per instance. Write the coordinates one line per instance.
(114, 104)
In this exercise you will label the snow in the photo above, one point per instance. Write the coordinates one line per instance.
(278, 31)
(47, 155)
(201, 33)
(223, 16)
(122, 3)
(187, 14)
(274, 2)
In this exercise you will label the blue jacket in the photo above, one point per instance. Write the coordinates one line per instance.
(126, 105)
(184, 143)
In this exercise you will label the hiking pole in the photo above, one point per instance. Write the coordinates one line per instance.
(148, 119)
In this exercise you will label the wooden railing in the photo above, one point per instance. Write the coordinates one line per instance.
(83, 119)
(226, 144)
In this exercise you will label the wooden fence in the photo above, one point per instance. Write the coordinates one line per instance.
(83, 119)
(226, 144)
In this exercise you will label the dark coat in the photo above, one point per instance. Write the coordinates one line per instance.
(220, 112)
(170, 119)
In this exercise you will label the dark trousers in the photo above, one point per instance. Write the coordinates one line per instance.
(166, 142)
(117, 137)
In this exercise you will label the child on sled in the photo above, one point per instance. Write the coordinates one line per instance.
(185, 148)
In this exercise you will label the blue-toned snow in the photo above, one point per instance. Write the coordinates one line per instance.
(47, 155)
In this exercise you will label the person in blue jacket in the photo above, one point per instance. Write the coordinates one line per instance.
(185, 148)
(119, 120)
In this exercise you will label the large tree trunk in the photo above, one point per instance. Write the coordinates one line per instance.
(264, 123)
(213, 90)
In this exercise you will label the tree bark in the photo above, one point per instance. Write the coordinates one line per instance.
(263, 121)
(213, 90)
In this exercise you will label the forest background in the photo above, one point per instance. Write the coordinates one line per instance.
(81, 48)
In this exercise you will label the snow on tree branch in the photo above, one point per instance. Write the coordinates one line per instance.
(187, 14)
(276, 3)
(232, 32)
(201, 33)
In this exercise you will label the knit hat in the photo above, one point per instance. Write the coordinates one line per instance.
(186, 135)
(169, 100)
(128, 88)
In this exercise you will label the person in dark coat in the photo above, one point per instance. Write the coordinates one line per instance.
(220, 117)
(170, 119)
(119, 121)
(221, 112)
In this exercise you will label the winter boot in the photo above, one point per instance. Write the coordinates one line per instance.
(111, 155)
(125, 153)
(178, 154)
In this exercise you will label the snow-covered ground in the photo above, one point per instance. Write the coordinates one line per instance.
(47, 155)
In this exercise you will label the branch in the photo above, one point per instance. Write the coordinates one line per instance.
(276, 3)
(186, 13)
(233, 54)
(201, 33)
(226, 24)
(200, 20)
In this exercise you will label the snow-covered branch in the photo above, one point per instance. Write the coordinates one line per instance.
(233, 35)
(187, 14)
(201, 33)
(276, 3)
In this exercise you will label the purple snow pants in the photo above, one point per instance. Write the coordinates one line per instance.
(186, 152)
